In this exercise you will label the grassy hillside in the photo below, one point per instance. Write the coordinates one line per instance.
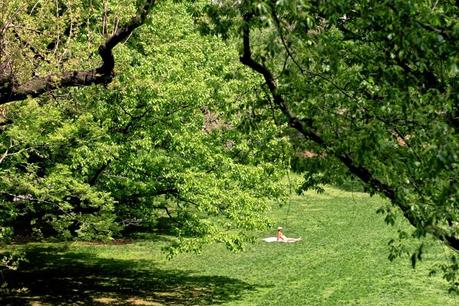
(341, 261)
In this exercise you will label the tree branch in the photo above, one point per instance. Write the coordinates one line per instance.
(306, 128)
(29, 46)
(101, 75)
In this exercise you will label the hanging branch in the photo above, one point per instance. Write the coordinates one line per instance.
(305, 127)
(100, 75)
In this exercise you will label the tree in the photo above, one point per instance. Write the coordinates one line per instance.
(25, 52)
(372, 88)
(160, 142)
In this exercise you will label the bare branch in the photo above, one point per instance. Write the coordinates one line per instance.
(29, 46)
(5, 154)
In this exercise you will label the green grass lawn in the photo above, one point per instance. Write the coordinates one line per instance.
(341, 261)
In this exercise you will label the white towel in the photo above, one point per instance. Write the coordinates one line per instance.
(270, 239)
(274, 239)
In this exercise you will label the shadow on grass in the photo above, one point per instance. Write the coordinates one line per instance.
(350, 186)
(59, 277)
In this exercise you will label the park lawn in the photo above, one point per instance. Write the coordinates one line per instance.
(341, 261)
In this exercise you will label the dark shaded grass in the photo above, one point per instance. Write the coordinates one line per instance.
(59, 276)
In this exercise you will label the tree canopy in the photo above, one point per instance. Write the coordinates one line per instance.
(369, 88)
(162, 141)
(372, 88)
(37, 37)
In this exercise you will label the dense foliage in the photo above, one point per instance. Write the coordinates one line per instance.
(372, 86)
(158, 148)
(370, 89)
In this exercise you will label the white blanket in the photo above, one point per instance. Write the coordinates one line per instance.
(274, 239)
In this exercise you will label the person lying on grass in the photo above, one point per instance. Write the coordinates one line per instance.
(282, 238)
